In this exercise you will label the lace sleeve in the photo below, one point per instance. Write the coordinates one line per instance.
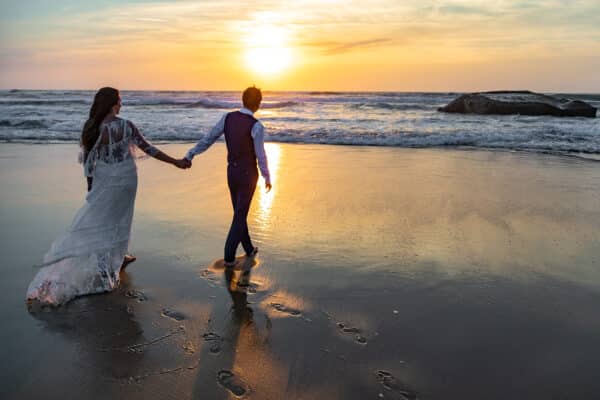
(140, 141)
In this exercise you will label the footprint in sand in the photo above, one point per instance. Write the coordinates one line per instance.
(248, 287)
(286, 310)
(173, 314)
(189, 347)
(252, 289)
(392, 384)
(216, 342)
(136, 294)
(209, 276)
(229, 381)
(358, 337)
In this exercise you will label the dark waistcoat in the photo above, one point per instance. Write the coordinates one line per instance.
(238, 137)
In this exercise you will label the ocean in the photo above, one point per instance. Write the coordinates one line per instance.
(342, 118)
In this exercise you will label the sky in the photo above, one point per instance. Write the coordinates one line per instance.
(379, 45)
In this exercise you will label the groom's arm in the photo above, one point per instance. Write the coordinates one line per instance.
(207, 141)
(258, 135)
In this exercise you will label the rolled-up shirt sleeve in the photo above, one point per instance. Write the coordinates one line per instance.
(258, 134)
(207, 140)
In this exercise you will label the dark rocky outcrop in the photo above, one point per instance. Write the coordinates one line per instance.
(518, 102)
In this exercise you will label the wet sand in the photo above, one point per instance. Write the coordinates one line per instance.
(382, 273)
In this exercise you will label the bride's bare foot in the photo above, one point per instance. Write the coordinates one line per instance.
(128, 259)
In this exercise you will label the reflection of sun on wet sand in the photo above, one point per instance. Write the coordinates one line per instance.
(378, 269)
(238, 339)
(265, 199)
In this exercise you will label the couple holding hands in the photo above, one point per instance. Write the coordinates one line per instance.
(89, 256)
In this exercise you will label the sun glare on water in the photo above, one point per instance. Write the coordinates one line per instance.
(267, 52)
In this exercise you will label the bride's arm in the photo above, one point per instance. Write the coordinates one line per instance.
(141, 142)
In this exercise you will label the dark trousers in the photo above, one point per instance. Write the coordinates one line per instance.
(242, 184)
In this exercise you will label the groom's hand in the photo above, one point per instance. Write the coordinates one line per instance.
(268, 186)
(183, 163)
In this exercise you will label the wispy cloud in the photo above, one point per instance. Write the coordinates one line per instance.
(151, 20)
(333, 48)
(463, 9)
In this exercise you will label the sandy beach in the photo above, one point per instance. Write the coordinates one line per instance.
(383, 273)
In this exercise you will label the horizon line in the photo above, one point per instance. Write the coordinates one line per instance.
(306, 91)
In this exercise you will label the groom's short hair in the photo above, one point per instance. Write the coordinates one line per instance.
(252, 97)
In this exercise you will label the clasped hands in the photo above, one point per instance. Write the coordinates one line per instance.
(183, 163)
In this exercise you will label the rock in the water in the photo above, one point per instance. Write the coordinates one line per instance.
(518, 102)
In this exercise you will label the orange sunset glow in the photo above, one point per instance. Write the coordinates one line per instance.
(302, 45)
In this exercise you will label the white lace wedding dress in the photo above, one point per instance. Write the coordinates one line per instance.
(87, 258)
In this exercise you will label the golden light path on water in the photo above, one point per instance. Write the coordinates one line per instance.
(265, 200)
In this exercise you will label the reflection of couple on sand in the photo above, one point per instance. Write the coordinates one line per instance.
(89, 256)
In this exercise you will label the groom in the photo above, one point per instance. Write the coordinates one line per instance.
(244, 136)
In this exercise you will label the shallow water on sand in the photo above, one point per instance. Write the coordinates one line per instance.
(382, 273)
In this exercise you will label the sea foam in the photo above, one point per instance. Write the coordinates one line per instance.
(345, 118)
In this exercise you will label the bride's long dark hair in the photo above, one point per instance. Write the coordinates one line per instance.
(104, 100)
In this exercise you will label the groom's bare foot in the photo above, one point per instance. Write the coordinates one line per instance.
(253, 252)
(128, 259)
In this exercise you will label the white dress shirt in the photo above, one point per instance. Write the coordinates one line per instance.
(258, 135)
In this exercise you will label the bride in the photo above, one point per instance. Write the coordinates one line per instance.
(88, 257)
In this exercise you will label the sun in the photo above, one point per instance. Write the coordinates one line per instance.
(267, 52)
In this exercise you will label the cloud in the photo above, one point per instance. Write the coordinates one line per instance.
(461, 9)
(339, 48)
(150, 20)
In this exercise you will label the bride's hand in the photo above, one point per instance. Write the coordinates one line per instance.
(183, 163)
